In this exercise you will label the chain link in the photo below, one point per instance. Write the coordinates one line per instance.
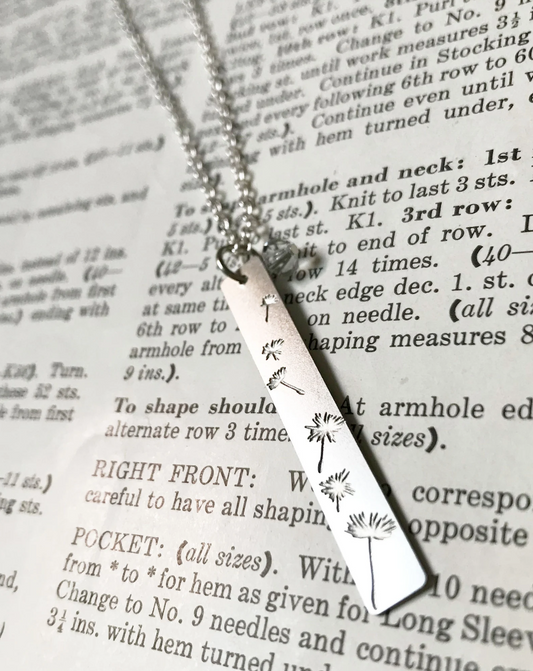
(239, 230)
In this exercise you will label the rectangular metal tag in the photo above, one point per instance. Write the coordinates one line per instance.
(374, 546)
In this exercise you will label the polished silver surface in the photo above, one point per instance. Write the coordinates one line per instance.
(372, 542)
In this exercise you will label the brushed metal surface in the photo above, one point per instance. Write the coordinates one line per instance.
(370, 538)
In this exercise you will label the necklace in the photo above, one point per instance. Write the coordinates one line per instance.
(355, 507)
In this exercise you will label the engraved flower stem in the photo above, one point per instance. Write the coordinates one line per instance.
(376, 528)
(298, 391)
(321, 455)
(373, 583)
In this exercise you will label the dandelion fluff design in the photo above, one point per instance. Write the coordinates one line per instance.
(375, 529)
(279, 378)
(337, 488)
(273, 349)
(324, 426)
(268, 300)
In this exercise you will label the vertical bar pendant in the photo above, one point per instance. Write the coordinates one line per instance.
(374, 546)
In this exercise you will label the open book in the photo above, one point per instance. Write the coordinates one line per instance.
(153, 512)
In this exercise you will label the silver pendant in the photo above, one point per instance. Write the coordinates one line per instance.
(373, 544)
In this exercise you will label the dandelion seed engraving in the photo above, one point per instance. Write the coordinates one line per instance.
(279, 378)
(268, 300)
(273, 349)
(325, 426)
(376, 529)
(336, 487)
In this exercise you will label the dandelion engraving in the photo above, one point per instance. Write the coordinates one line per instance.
(273, 349)
(325, 426)
(279, 378)
(375, 529)
(268, 300)
(336, 487)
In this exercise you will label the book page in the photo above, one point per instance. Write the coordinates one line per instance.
(153, 512)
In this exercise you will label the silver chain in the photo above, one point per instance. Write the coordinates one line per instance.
(239, 230)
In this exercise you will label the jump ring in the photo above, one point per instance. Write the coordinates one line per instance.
(233, 274)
